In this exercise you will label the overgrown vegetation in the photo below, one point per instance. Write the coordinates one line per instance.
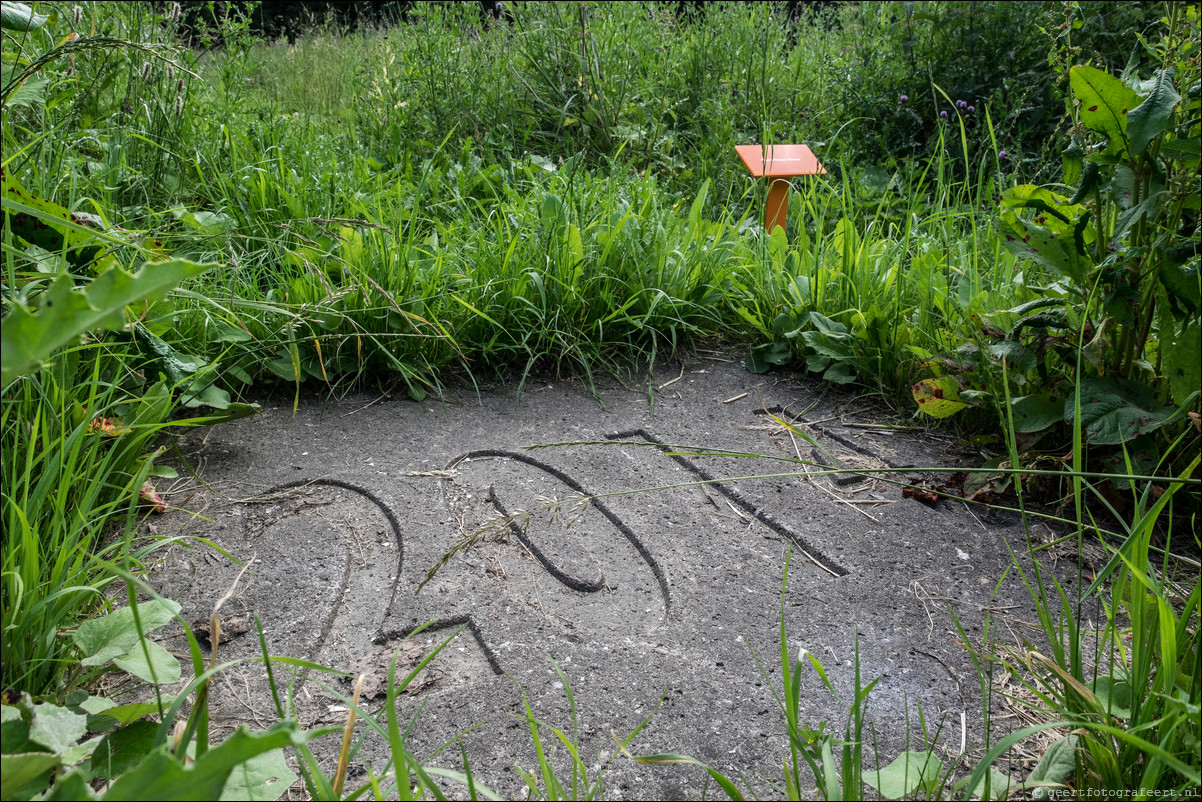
(1009, 230)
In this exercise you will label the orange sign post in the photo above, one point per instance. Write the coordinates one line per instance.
(777, 164)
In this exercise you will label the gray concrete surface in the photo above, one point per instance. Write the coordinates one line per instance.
(653, 603)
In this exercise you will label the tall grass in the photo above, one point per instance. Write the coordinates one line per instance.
(372, 195)
(65, 481)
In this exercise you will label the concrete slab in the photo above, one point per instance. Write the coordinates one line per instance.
(652, 604)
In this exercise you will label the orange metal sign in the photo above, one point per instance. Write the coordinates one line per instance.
(779, 163)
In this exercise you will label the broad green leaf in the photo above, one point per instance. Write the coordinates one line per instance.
(126, 714)
(153, 406)
(1180, 362)
(108, 636)
(56, 728)
(1105, 105)
(1091, 181)
(552, 213)
(48, 225)
(904, 775)
(28, 93)
(417, 393)
(1056, 766)
(1187, 150)
(784, 327)
(177, 367)
(939, 398)
(832, 345)
(575, 246)
(14, 735)
(1179, 346)
(17, 771)
(283, 366)
(825, 324)
(73, 787)
(1114, 694)
(1182, 283)
(840, 373)
(1034, 413)
(96, 705)
(14, 731)
(74, 755)
(1019, 360)
(232, 411)
(845, 238)
(124, 748)
(263, 778)
(1122, 186)
(1056, 235)
(160, 776)
(166, 667)
(999, 786)
(211, 396)
(778, 246)
(976, 398)
(753, 318)
(228, 333)
(1148, 208)
(20, 17)
(351, 245)
(1149, 119)
(209, 222)
(1117, 410)
(64, 312)
(1072, 162)
(762, 358)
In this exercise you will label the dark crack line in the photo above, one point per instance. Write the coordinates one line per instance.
(446, 623)
(567, 579)
(618, 523)
(466, 619)
(393, 522)
(738, 499)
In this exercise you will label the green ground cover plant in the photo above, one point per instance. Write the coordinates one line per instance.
(1013, 241)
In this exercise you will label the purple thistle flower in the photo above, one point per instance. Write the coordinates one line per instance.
(943, 114)
(960, 104)
(1001, 154)
(972, 108)
(905, 98)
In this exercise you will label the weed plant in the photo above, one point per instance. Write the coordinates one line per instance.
(64, 480)
(557, 190)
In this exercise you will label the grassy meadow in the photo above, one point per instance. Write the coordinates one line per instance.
(1006, 241)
